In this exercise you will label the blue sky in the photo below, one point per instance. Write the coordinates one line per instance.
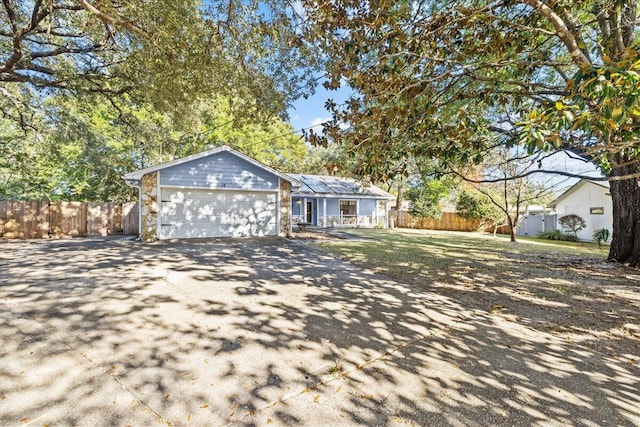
(311, 111)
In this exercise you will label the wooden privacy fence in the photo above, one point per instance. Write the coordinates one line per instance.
(448, 221)
(43, 219)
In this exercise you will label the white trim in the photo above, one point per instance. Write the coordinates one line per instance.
(347, 200)
(140, 212)
(375, 214)
(158, 206)
(246, 190)
(386, 214)
(357, 213)
(304, 209)
(324, 212)
(278, 213)
(342, 196)
(290, 212)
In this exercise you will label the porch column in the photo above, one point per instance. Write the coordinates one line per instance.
(375, 214)
(357, 212)
(304, 210)
(324, 212)
(386, 214)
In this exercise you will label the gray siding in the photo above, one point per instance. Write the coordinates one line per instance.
(367, 207)
(333, 207)
(296, 207)
(220, 170)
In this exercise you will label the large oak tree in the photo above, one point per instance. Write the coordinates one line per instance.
(451, 79)
(91, 89)
(164, 51)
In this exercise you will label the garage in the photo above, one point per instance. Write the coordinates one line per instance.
(197, 214)
(216, 193)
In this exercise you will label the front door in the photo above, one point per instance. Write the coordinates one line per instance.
(309, 218)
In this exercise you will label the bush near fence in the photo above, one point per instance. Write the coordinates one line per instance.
(44, 219)
(448, 221)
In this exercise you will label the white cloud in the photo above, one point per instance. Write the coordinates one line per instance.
(318, 121)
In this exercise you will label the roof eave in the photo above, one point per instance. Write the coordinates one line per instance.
(137, 175)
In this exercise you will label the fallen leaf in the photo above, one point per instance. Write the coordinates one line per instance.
(166, 396)
(306, 390)
(339, 388)
(205, 406)
(24, 420)
(232, 414)
(189, 417)
(269, 420)
(317, 398)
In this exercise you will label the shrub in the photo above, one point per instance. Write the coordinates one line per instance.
(601, 236)
(572, 224)
(557, 235)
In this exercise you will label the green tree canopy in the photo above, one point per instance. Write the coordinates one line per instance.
(165, 52)
(81, 149)
(452, 79)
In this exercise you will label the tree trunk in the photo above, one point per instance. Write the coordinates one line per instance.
(400, 195)
(625, 195)
(512, 228)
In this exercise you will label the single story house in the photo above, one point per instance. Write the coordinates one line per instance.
(224, 193)
(330, 201)
(591, 200)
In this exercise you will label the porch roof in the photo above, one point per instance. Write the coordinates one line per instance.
(335, 186)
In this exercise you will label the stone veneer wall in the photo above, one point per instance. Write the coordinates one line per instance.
(149, 207)
(285, 208)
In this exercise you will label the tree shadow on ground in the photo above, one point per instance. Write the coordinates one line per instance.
(261, 331)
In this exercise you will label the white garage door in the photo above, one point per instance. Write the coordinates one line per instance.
(202, 213)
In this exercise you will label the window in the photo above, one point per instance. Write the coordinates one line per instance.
(347, 207)
(596, 211)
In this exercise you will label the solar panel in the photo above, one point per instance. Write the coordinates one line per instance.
(322, 184)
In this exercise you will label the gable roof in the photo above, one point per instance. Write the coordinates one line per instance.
(137, 175)
(327, 185)
(575, 187)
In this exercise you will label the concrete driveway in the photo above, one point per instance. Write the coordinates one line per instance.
(271, 331)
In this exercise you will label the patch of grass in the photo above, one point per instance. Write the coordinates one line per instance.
(411, 250)
(462, 259)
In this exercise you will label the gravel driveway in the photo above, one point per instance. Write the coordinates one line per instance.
(271, 331)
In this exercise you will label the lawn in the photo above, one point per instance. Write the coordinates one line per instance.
(560, 287)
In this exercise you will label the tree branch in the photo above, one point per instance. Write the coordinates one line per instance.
(116, 22)
(564, 34)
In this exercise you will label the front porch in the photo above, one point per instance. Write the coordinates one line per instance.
(326, 212)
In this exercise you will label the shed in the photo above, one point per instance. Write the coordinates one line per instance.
(215, 193)
(331, 201)
(590, 200)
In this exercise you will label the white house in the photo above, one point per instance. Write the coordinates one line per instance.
(590, 200)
